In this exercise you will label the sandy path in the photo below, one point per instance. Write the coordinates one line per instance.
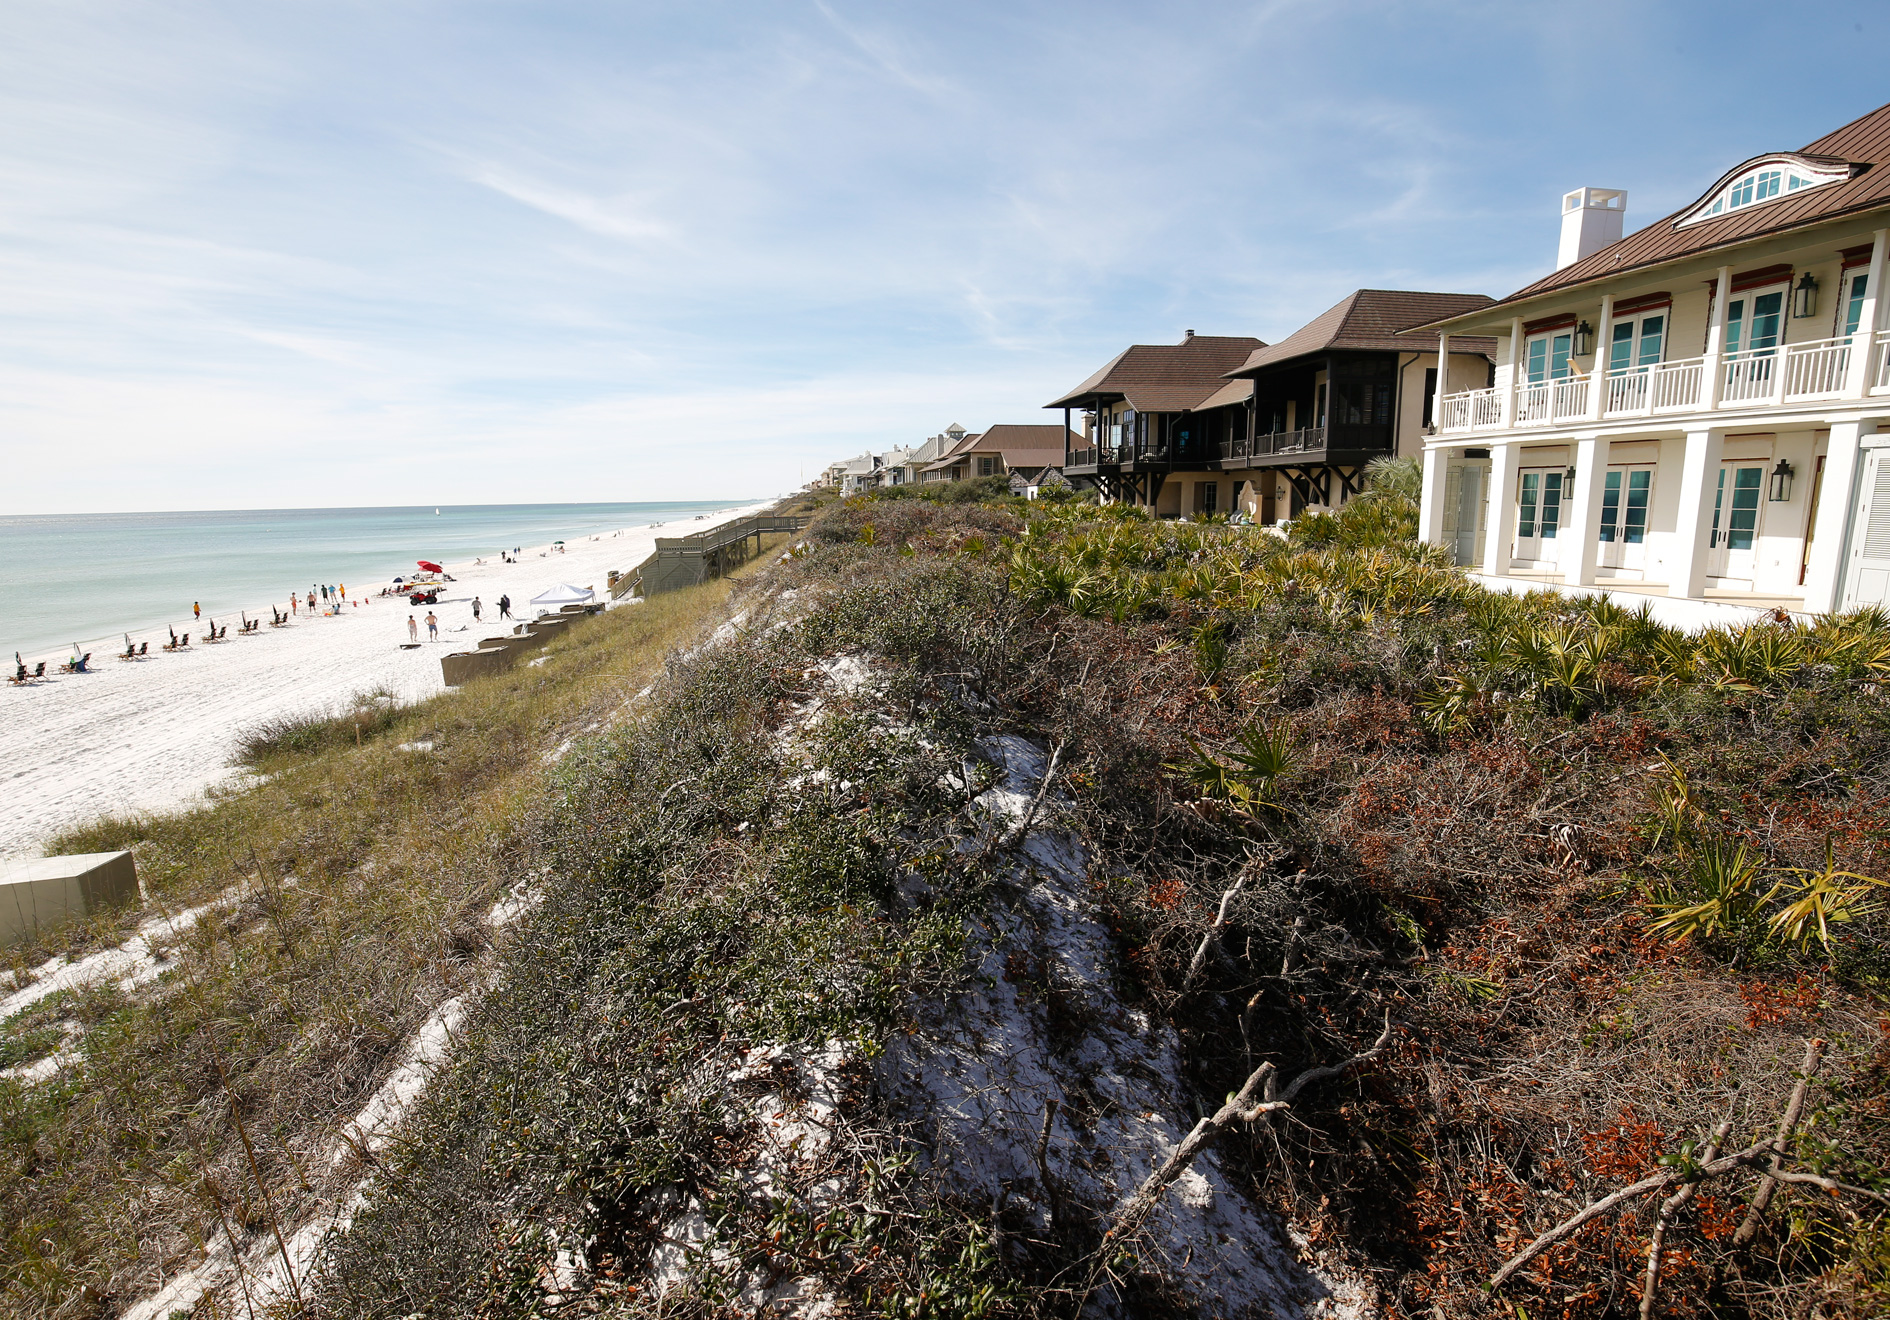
(153, 734)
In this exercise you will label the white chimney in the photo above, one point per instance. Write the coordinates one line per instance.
(1591, 219)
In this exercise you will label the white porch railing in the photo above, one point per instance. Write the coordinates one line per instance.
(1818, 369)
(1656, 387)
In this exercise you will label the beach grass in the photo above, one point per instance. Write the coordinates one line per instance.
(348, 885)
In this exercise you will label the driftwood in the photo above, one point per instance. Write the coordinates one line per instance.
(1765, 1156)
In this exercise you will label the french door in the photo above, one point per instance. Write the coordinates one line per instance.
(1753, 323)
(1732, 552)
(1538, 514)
(1625, 493)
(1465, 486)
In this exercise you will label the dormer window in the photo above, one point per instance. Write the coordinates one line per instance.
(1763, 180)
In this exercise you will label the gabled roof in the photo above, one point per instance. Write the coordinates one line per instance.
(1165, 377)
(948, 456)
(1371, 319)
(1026, 445)
(1863, 143)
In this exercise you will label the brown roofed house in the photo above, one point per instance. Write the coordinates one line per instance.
(1347, 387)
(1003, 449)
(1155, 410)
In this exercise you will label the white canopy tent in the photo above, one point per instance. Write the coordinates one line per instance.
(561, 595)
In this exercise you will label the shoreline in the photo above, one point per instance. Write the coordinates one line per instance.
(153, 734)
(104, 644)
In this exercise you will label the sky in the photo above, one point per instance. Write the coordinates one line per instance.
(490, 251)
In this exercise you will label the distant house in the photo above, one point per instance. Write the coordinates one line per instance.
(1004, 449)
(951, 463)
(1154, 420)
(859, 474)
(1347, 387)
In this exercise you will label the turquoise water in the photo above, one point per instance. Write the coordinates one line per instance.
(87, 577)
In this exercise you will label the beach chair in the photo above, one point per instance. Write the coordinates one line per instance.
(18, 675)
(144, 649)
(76, 665)
(131, 649)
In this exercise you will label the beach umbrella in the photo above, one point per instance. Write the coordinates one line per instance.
(429, 566)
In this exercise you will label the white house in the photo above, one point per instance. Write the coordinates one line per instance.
(1699, 410)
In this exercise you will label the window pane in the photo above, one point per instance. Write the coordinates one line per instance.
(1558, 357)
(1719, 500)
(1526, 520)
(1855, 311)
(1766, 309)
(1610, 505)
(1745, 508)
(1634, 526)
(1652, 330)
(1735, 323)
(1621, 349)
(1551, 504)
(1538, 359)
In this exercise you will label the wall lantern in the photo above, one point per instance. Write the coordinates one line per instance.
(1805, 298)
(1584, 339)
(1781, 482)
(1568, 480)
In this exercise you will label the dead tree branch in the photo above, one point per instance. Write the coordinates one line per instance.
(1669, 1208)
(1244, 1107)
(1212, 937)
(1787, 1124)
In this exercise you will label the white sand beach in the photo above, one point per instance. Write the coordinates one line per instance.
(153, 734)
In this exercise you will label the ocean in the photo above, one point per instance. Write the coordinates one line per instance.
(89, 578)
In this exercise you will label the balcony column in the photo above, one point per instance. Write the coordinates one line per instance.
(1431, 501)
(1837, 498)
(1858, 374)
(1515, 356)
(1443, 383)
(1693, 516)
(1499, 521)
(1598, 373)
(1716, 342)
(1583, 515)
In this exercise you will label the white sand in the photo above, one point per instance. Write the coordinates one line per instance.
(153, 734)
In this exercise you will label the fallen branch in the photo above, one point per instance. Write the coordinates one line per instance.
(1670, 1208)
(1244, 1107)
(1016, 833)
(1787, 1124)
(1212, 937)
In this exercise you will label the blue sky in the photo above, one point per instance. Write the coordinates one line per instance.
(414, 251)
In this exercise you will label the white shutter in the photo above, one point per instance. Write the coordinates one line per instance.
(1868, 582)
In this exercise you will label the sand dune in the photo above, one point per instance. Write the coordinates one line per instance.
(153, 734)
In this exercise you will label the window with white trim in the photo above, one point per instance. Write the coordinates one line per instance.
(1762, 181)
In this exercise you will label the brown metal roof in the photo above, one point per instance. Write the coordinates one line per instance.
(1864, 143)
(1234, 391)
(1372, 319)
(1165, 377)
(1027, 445)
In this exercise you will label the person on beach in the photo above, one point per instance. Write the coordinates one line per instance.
(505, 607)
(324, 595)
(311, 600)
(295, 603)
(343, 589)
(413, 629)
(196, 609)
(475, 609)
(433, 627)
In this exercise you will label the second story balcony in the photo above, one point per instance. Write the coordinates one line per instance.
(1754, 379)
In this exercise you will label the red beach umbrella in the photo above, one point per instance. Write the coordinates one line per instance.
(429, 566)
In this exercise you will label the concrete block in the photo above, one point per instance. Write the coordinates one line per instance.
(40, 893)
